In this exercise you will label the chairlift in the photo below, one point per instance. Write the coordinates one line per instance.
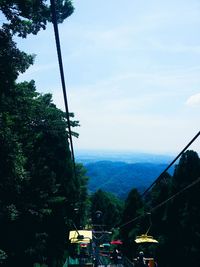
(147, 239)
(80, 236)
(81, 244)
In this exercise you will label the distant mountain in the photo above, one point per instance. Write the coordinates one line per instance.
(119, 172)
(120, 177)
(91, 156)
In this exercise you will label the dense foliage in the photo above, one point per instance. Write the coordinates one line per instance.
(38, 188)
(30, 16)
(120, 177)
(110, 206)
(175, 224)
(180, 222)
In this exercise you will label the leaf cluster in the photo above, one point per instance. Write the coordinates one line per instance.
(30, 16)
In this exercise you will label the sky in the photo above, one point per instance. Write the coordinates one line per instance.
(132, 71)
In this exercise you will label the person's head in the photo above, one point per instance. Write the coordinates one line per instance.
(141, 254)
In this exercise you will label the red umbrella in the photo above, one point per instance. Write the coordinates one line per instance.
(83, 245)
(116, 242)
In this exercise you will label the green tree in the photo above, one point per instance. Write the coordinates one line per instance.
(30, 16)
(183, 213)
(38, 189)
(134, 207)
(159, 228)
(109, 205)
(177, 222)
(12, 159)
(42, 184)
(81, 202)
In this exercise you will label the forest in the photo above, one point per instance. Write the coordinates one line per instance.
(42, 198)
(119, 177)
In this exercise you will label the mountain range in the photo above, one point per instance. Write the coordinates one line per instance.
(119, 172)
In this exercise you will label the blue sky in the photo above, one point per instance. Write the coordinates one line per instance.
(132, 72)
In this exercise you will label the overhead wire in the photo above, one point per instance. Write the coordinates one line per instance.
(58, 47)
(162, 203)
(176, 194)
(59, 54)
(56, 32)
(160, 177)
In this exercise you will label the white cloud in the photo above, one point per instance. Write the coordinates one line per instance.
(128, 74)
(193, 101)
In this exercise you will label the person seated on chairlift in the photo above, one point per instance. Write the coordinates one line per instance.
(141, 260)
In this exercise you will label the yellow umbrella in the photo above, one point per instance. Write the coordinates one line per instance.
(145, 239)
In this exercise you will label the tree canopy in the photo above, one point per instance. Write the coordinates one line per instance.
(30, 16)
(175, 223)
(110, 206)
(38, 189)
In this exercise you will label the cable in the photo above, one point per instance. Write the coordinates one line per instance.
(160, 176)
(55, 24)
(162, 203)
(133, 220)
(175, 195)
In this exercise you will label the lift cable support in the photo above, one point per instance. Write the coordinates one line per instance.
(57, 39)
(162, 203)
(160, 177)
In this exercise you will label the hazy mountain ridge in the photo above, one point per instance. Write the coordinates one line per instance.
(92, 156)
(120, 177)
(119, 171)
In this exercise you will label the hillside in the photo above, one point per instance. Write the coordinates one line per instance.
(120, 177)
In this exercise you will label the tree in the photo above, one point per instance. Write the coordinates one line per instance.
(134, 207)
(159, 228)
(12, 63)
(81, 202)
(183, 212)
(41, 181)
(37, 187)
(30, 16)
(12, 159)
(177, 222)
(109, 205)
